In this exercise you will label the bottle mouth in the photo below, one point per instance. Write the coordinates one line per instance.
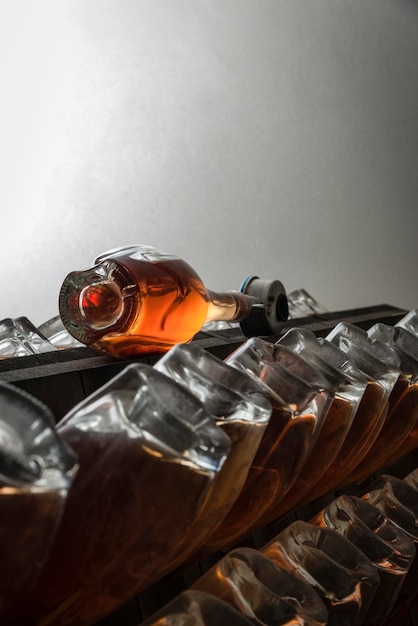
(94, 302)
(100, 304)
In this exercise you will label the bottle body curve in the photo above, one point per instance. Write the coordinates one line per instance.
(134, 300)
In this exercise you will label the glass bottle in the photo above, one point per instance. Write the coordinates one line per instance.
(380, 365)
(302, 304)
(260, 589)
(19, 337)
(148, 451)
(56, 333)
(340, 573)
(239, 408)
(349, 384)
(399, 434)
(399, 502)
(412, 478)
(389, 549)
(36, 472)
(197, 608)
(136, 300)
(409, 322)
(300, 398)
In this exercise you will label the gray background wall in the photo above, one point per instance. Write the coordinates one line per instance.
(271, 137)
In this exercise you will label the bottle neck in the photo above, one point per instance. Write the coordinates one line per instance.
(229, 306)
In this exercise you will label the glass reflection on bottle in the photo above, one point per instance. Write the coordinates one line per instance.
(148, 452)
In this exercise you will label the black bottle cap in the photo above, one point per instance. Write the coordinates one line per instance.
(267, 317)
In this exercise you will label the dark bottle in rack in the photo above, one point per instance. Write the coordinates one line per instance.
(380, 365)
(342, 575)
(197, 608)
(389, 549)
(239, 408)
(401, 424)
(350, 385)
(37, 468)
(260, 589)
(398, 500)
(148, 452)
(300, 399)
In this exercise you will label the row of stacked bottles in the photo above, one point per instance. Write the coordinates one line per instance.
(355, 562)
(166, 464)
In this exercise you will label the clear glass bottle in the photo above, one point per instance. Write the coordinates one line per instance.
(36, 471)
(137, 299)
(349, 384)
(389, 549)
(380, 365)
(148, 452)
(409, 322)
(56, 333)
(399, 502)
(302, 304)
(399, 434)
(19, 337)
(300, 398)
(239, 408)
(340, 573)
(197, 608)
(266, 593)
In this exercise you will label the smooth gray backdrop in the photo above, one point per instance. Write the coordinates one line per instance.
(268, 137)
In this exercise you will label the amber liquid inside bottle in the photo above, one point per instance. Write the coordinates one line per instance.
(406, 410)
(334, 572)
(267, 594)
(279, 458)
(391, 574)
(115, 534)
(409, 445)
(27, 525)
(327, 446)
(223, 492)
(364, 430)
(170, 307)
(401, 419)
(398, 501)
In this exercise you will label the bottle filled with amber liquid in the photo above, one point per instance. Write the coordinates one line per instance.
(262, 590)
(399, 433)
(137, 300)
(380, 365)
(345, 579)
(300, 397)
(397, 499)
(389, 549)
(350, 385)
(37, 469)
(148, 452)
(240, 409)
